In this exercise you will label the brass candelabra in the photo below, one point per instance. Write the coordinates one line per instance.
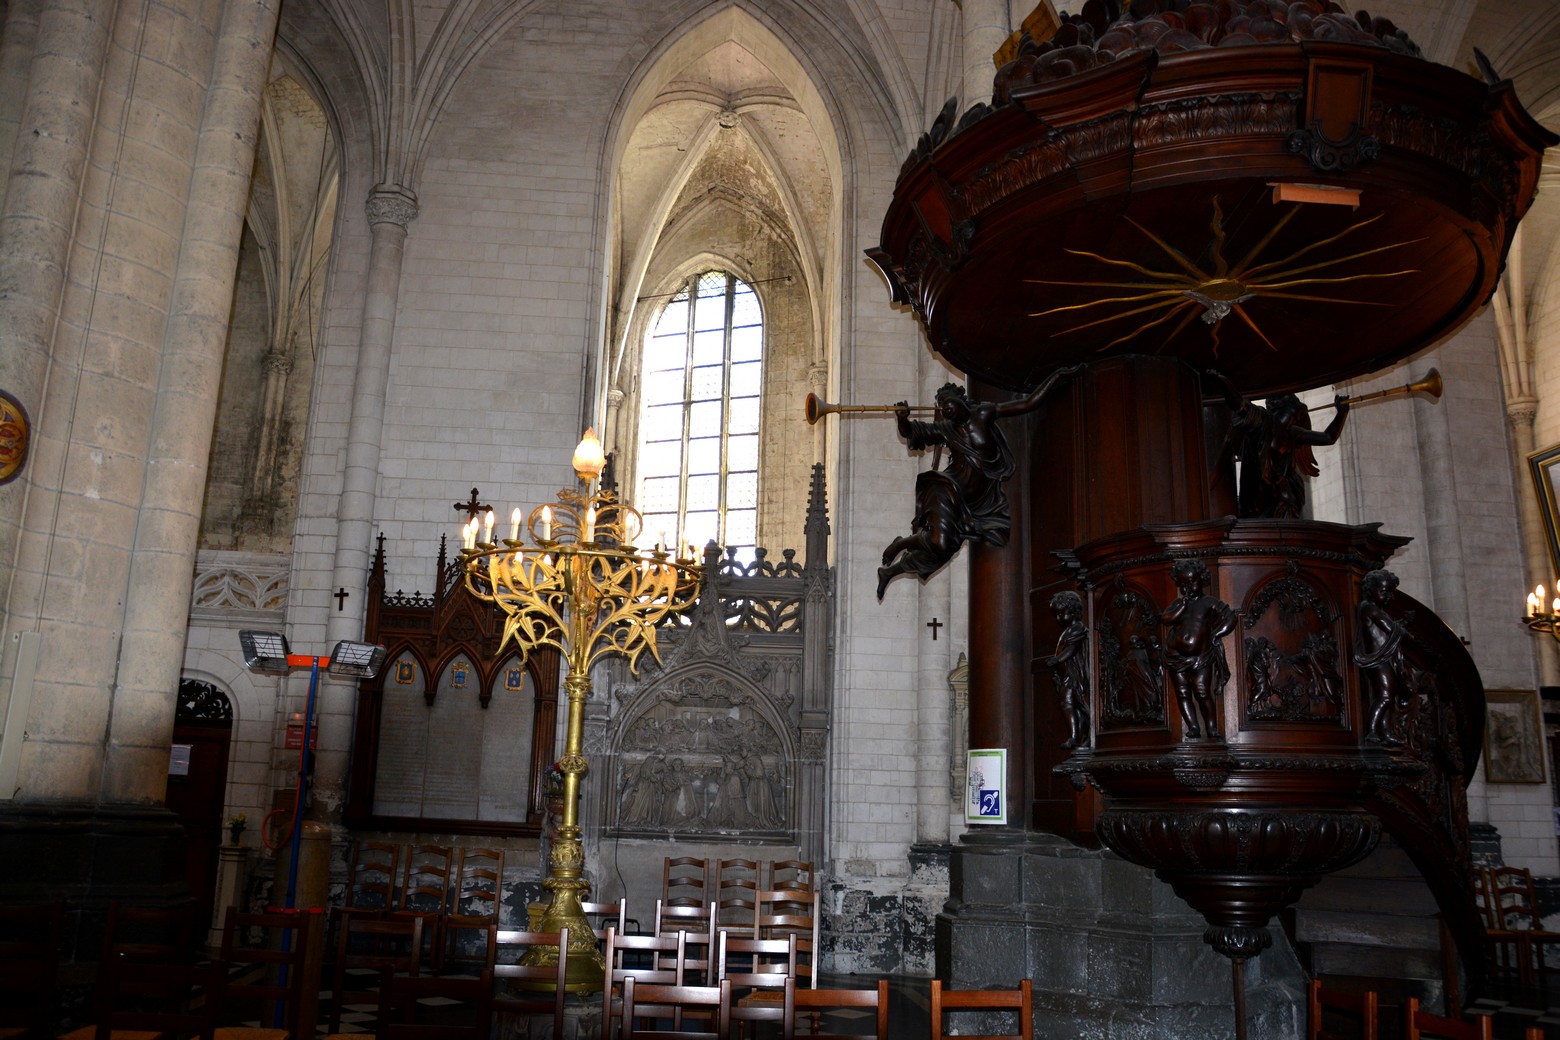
(583, 586)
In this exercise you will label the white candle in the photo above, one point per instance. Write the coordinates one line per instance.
(514, 525)
(547, 523)
(590, 524)
(487, 527)
(1532, 605)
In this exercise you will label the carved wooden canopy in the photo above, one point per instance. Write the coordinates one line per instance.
(1145, 204)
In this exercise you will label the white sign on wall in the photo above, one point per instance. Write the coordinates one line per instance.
(986, 799)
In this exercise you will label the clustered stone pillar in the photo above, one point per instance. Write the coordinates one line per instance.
(390, 209)
(117, 357)
(986, 28)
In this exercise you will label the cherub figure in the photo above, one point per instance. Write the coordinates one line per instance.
(1379, 656)
(1274, 445)
(963, 502)
(1070, 666)
(1194, 648)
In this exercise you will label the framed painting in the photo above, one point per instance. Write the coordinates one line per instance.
(1513, 737)
(1545, 467)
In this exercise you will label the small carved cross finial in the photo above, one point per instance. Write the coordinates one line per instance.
(473, 507)
(340, 596)
(934, 625)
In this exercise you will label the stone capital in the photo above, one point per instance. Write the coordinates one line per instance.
(391, 204)
(1520, 411)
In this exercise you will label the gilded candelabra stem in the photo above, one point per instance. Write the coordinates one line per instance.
(582, 587)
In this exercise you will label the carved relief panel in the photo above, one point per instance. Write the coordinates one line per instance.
(1131, 657)
(1290, 638)
(702, 754)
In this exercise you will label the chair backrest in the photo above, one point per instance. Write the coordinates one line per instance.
(541, 960)
(815, 1004)
(1418, 1024)
(435, 1007)
(791, 875)
(782, 912)
(601, 915)
(684, 881)
(698, 922)
(1483, 901)
(754, 962)
(479, 884)
(646, 1006)
(1512, 900)
(375, 866)
(1324, 1004)
(273, 976)
(425, 881)
(140, 994)
(29, 965)
(371, 946)
(650, 958)
(736, 883)
(1017, 1001)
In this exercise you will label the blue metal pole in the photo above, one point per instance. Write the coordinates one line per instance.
(305, 761)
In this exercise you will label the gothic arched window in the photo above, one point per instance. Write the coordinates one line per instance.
(699, 411)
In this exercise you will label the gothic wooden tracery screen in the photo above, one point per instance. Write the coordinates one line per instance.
(450, 737)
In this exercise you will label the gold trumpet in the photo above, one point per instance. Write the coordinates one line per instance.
(817, 409)
(1430, 385)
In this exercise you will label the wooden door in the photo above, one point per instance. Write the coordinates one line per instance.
(197, 784)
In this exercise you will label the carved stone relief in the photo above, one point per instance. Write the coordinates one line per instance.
(702, 757)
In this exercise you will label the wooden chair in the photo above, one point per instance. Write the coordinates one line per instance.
(479, 883)
(1514, 906)
(817, 1004)
(1359, 1008)
(425, 893)
(269, 983)
(546, 980)
(648, 1005)
(684, 881)
(650, 958)
(375, 870)
(435, 1007)
(147, 998)
(375, 946)
(762, 973)
(698, 922)
(467, 942)
(1018, 1001)
(736, 884)
(601, 915)
(1419, 1024)
(29, 967)
(782, 912)
(1504, 947)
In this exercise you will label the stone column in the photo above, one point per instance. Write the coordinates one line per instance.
(986, 28)
(390, 209)
(167, 526)
(37, 225)
(18, 38)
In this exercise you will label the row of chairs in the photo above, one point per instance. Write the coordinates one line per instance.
(731, 884)
(1515, 937)
(430, 881)
(1333, 1014)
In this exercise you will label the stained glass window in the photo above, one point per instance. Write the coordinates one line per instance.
(699, 412)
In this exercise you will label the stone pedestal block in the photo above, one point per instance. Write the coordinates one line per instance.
(1113, 953)
(90, 856)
